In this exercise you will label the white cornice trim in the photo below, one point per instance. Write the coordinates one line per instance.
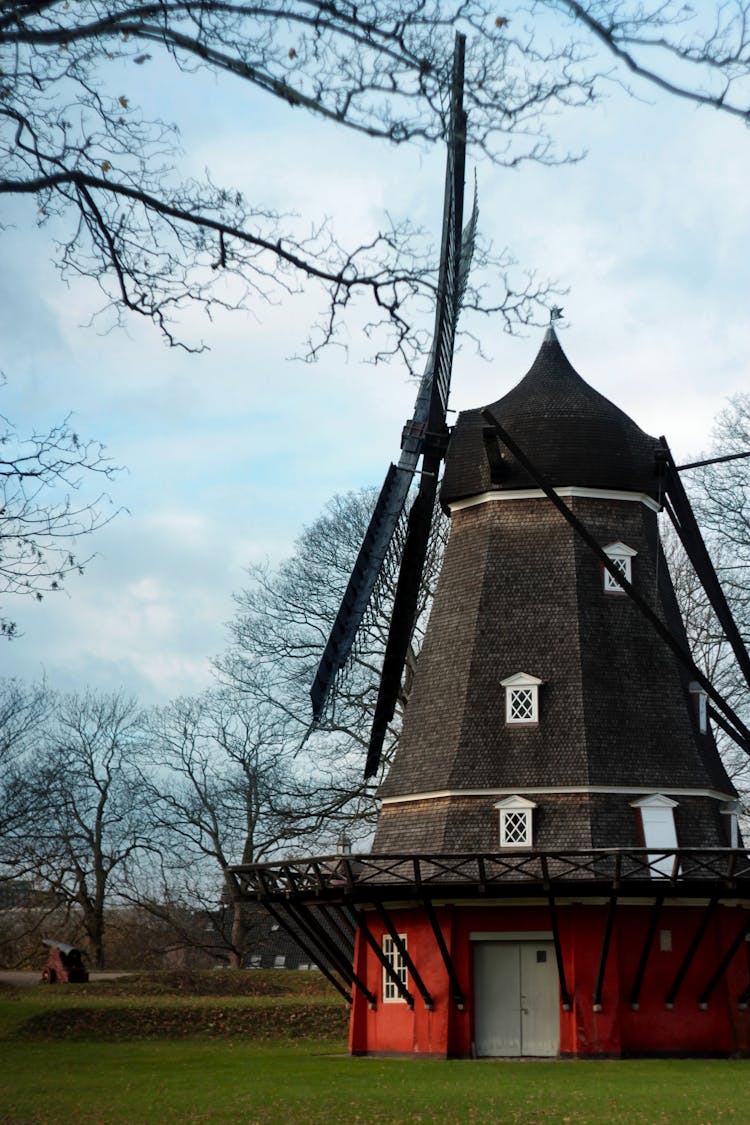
(617, 790)
(568, 490)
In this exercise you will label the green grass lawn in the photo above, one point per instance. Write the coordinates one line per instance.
(217, 1076)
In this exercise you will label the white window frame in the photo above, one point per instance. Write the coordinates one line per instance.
(521, 685)
(622, 556)
(392, 954)
(731, 809)
(659, 831)
(516, 811)
(701, 704)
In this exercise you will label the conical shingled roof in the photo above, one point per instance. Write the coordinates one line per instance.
(520, 592)
(571, 433)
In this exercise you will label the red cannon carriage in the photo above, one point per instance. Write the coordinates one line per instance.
(64, 964)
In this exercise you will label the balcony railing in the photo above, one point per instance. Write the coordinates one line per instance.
(499, 874)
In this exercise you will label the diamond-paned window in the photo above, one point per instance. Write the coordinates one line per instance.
(521, 704)
(516, 822)
(621, 556)
(397, 963)
(516, 827)
(521, 698)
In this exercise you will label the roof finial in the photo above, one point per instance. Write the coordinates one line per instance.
(555, 313)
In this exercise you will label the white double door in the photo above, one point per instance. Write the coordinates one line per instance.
(516, 998)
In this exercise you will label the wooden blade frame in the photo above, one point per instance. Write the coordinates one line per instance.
(424, 435)
(685, 524)
(726, 716)
(451, 281)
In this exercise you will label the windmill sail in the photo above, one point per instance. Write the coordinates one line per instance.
(686, 526)
(424, 436)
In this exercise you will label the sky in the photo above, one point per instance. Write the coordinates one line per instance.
(228, 454)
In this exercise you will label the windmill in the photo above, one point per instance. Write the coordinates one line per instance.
(556, 867)
(425, 436)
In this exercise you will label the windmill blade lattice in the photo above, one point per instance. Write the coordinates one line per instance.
(425, 436)
(685, 524)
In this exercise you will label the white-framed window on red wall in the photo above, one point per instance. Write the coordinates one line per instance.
(393, 956)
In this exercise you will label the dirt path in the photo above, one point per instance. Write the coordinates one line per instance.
(28, 979)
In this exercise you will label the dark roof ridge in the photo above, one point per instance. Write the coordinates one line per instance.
(572, 432)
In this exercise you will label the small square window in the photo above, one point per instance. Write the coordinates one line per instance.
(516, 821)
(521, 698)
(623, 565)
(621, 556)
(521, 705)
(515, 828)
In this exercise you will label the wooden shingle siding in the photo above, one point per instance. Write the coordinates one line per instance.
(520, 592)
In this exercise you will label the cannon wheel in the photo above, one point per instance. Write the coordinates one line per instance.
(49, 976)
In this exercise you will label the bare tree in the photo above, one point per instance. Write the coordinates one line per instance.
(697, 52)
(720, 494)
(225, 789)
(92, 823)
(277, 636)
(24, 708)
(41, 518)
(155, 241)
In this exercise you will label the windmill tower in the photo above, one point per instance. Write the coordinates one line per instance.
(556, 868)
(541, 687)
(557, 775)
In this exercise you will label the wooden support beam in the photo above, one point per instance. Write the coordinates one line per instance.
(567, 1000)
(737, 941)
(671, 996)
(332, 919)
(319, 938)
(401, 988)
(327, 942)
(408, 960)
(345, 919)
(456, 990)
(606, 940)
(311, 953)
(635, 992)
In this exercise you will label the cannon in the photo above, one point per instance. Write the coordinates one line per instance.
(64, 964)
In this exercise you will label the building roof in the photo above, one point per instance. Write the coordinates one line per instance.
(569, 431)
(522, 598)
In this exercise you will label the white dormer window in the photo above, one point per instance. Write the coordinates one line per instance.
(516, 822)
(730, 809)
(657, 821)
(701, 705)
(621, 555)
(521, 698)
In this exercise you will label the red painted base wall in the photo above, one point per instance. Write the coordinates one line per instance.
(723, 1028)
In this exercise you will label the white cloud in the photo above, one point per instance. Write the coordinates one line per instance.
(231, 452)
